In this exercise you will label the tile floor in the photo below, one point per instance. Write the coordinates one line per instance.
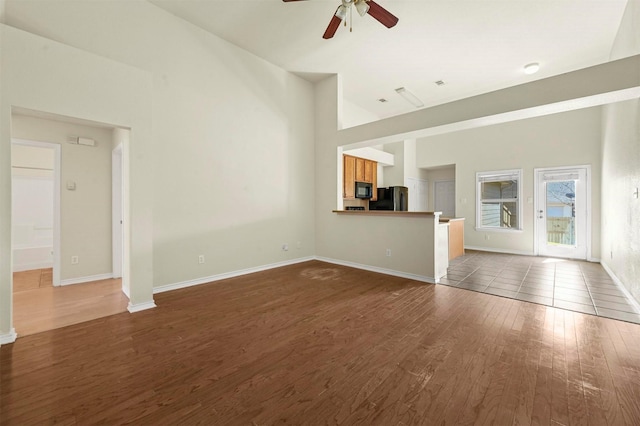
(568, 284)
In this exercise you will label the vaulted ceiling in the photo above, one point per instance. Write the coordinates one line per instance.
(473, 46)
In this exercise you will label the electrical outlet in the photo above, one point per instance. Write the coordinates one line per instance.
(74, 260)
(285, 247)
(487, 236)
(388, 253)
(201, 259)
(298, 245)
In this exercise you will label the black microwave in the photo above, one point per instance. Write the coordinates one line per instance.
(364, 190)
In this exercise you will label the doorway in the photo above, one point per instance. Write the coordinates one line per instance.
(90, 275)
(562, 206)
(35, 182)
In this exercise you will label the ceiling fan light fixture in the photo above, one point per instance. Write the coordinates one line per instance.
(342, 12)
(362, 7)
(531, 68)
(409, 97)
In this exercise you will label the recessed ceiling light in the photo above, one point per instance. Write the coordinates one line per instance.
(531, 68)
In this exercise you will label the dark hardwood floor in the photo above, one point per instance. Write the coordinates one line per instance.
(316, 343)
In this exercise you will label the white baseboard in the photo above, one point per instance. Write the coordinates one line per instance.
(415, 277)
(137, 307)
(223, 276)
(494, 250)
(90, 278)
(622, 287)
(9, 337)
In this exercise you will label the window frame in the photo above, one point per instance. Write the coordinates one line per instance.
(511, 173)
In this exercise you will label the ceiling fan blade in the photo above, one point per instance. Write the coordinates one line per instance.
(381, 14)
(332, 28)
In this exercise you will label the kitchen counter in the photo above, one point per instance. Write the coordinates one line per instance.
(413, 242)
(387, 213)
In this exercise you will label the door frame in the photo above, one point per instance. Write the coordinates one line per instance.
(537, 202)
(56, 200)
(117, 210)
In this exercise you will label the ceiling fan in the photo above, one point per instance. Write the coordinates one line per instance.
(363, 7)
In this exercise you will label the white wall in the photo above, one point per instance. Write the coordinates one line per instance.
(570, 138)
(621, 169)
(394, 175)
(232, 167)
(85, 213)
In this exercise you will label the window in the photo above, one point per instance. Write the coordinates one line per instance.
(498, 200)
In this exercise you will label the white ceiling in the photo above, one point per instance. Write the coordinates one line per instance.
(474, 46)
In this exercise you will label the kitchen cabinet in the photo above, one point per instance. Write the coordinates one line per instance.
(456, 235)
(360, 170)
(349, 181)
(357, 169)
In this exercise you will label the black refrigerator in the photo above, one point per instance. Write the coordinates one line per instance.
(392, 198)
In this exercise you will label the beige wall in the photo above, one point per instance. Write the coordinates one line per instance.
(570, 138)
(621, 170)
(233, 147)
(85, 213)
(43, 75)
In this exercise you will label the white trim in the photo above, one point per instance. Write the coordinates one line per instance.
(225, 275)
(82, 280)
(56, 200)
(9, 337)
(505, 230)
(497, 250)
(415, 277)
(117, 216)
(137, 307)
(622, 288)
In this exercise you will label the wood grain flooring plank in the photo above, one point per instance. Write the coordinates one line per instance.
(315, 343)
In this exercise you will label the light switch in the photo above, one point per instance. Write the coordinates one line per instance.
(71, 186)
(530, 200)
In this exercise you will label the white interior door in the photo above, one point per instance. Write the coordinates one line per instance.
(418, 194)
(444, 197)
(562, 212)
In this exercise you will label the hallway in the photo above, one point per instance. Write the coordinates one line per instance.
(38, 306)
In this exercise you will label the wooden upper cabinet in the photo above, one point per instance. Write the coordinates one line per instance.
(368, 171)
(358, 170)
(349, 182)
(374, 180)
(361, 170)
